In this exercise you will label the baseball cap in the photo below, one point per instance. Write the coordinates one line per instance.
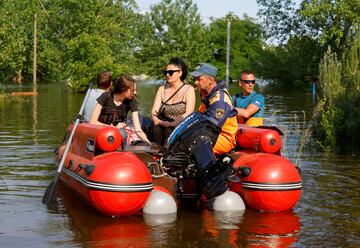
(204, 69)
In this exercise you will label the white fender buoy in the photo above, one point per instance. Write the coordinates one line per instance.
(229, 201)
(160, 203)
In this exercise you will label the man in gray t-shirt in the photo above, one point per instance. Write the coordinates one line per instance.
(91, 103)
(104, 83)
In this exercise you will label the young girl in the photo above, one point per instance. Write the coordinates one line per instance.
(112, 107)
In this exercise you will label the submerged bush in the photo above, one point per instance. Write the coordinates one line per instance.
(340, 97)
(6, 97)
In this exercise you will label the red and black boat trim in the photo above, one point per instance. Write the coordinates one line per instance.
(271, 186)
(140, 187)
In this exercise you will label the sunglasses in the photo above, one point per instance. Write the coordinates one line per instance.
(170, 72)
(248, 81)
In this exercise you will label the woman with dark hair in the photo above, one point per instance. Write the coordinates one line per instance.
(113, 106)
(173, 101)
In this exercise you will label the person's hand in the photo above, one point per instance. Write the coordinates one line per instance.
(120, 125)
(156, 121)
(161, 123)
(147, 142)
(166, 124)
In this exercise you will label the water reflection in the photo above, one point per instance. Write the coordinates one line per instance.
(216, 229)
(94, 229)
(270, 229)
(228, 220)
(160, 219)
(251, 228)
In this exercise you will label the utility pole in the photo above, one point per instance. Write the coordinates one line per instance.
(34, 60)
(227, 53)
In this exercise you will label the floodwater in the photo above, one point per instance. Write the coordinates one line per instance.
(327, 214)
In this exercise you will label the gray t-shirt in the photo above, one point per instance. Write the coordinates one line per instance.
(91, 103)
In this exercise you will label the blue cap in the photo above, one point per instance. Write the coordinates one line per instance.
(204, 69)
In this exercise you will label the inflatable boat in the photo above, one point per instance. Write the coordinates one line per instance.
(118, 181)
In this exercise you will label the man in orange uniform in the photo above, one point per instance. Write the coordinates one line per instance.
(202, 137)
(217, 106)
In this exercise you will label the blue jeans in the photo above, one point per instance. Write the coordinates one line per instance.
(124, 136)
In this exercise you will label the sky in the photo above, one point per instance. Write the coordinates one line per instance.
(214, 8)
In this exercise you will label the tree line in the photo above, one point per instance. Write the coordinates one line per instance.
(78, 38)
(321, 38)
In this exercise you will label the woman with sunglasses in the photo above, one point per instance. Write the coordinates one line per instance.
(249, 103)
(113, 106)
(173, 101)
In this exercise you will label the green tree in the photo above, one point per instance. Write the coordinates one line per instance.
(172, 29)
(332, 23)
(92, 35)
(76, 38)
(246, 44)
(291, 63)
(16, 38)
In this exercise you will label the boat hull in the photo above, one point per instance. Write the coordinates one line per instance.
(119, 183)
(114, 183)
(268, 182)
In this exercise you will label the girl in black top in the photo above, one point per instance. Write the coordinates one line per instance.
(112, 107)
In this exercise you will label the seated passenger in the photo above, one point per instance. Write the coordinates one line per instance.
(104, 83)
(113, 106)
(217, 107)
(173, 101)
(205, 135)
(249, 104)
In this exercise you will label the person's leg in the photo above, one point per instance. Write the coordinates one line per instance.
(158, 134)
(167, 132)
(147, 126)
(124, 136)
(211, 174)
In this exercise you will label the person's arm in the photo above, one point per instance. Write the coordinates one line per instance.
(137, 127)
(219, 110)
(256, 104)
(156, 106)
(247, 112)
(96, 114)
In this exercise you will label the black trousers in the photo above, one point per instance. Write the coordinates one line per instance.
(161, 133)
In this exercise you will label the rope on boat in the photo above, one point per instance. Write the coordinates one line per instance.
(159, 169)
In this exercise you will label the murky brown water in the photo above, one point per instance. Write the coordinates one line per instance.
(327, 215)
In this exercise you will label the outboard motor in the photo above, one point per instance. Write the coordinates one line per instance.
(190, 144)
(212, 174)
(177, 146)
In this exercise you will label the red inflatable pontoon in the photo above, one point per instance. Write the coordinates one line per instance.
(118, 183)
(114, 183)
(268, 182)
